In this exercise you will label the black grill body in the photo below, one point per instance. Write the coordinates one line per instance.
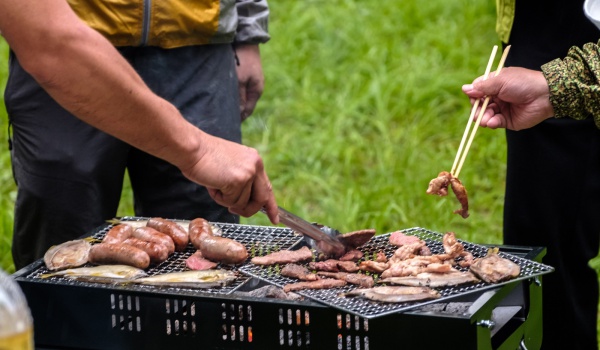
(81, 315)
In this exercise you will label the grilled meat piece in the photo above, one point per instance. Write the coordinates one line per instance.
(324, 283)
(373, 266)
(355, 239)
(352, 278)
(400, 238)
(67, 255)
(433, 279)
(461, 194)
(284, 257)
(415, 266)
(332, 265)
(439, 185)
(394, 294)
(271, 291)
(298, 271)
(197, 262)
(494, 269)
(352, 255)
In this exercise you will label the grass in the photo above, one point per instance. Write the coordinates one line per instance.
(362, 107)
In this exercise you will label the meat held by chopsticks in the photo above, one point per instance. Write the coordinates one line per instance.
(439, 186)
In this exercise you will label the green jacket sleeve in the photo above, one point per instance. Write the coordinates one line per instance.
(575, 83)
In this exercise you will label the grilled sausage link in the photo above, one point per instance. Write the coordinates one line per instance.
(199, 228)
(215, 248)
(176, 232)
(118, 234)
(149, 234)
(111, 254)
(156, 251)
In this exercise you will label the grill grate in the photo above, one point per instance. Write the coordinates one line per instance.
(369, 309)
(259, 240)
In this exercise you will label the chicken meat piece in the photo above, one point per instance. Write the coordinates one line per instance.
(494, 269)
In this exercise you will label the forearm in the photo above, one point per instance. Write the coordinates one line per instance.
(88, 77)
(574, 83)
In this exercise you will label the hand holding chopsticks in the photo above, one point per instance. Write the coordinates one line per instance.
(460, 157)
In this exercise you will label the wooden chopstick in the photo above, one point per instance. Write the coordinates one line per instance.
(456, 171)
(473, 110)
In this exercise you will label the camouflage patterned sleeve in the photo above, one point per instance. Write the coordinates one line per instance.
(575, 83)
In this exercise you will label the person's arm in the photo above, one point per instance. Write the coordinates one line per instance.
(522, 98)
(84, 73)
(252, 30)
(519, 98)
(575, 83)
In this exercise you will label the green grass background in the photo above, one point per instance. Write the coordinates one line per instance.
(362, 107)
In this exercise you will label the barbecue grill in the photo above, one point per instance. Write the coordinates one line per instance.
(70, 314)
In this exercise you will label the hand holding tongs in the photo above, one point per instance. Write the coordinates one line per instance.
(327, 244)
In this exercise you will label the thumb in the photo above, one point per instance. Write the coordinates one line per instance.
(490, 86)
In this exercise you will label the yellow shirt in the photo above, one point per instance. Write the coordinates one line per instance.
(163, 23)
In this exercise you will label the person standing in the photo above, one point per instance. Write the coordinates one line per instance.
(202, 56)
(552, 194)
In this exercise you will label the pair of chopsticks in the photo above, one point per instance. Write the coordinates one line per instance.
(460, 159)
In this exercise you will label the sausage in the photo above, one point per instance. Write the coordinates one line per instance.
(198, 229)
(118, 233)
(149, 234)
(113, 254)
(176, 232)
(156, 251)
(215, 248)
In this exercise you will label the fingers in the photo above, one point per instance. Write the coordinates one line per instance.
(243, 101)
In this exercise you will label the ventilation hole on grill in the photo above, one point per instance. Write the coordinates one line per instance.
(366, 325)
(339, 321)
(176, 327)
(367, 343)
(241, 332)
(138, 324)
(249, 311)
(232, 336)
(184, 309)
(298, 317)
(112, 302)
(137, 304)
(289, 317)
(232, 309)
(224, 332)
(193, 327)
(193, 309)
(306, 318)
(339, 341)
(281, 337)
(120, 302)
(290, 338)
(307, 339)
(114, 320)
(280, 316)
(356, 322)
(241, 312)
(357, 342)
(169, 327)
(129, 307)
(175, 306)
(168, 306)
(348, 342)
(298, 338)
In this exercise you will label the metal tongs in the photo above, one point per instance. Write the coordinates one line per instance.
(327, 244)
